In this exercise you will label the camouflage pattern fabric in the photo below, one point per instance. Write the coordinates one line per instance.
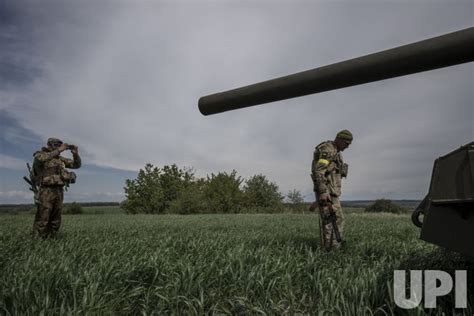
(48, 213)
(326, 169)
(326, 174)
(50, 172)
(50, 168)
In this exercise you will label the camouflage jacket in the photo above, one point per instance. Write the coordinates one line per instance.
(49, 167)
(326, 169)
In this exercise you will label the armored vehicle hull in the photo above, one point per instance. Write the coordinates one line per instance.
(448, 208)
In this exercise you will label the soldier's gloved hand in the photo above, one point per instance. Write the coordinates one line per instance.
(325, 197)
(63, 147)
(74, 149)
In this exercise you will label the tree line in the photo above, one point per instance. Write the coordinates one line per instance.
(171, 189)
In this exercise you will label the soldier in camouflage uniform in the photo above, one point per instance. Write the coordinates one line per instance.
(49, 169)
(327, 170)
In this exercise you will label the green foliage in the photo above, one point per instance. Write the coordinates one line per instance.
(296, 201)
(190, 200)
(222, 192)
(155, 188)
(144, 194)
(295, 197)
(262, 195)
(74, 208)
(174, 190)
(172, 181)
(384, 205)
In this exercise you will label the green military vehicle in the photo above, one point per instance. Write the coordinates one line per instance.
(448, 209)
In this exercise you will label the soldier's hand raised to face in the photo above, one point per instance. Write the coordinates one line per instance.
(74, 150)
(63, 147)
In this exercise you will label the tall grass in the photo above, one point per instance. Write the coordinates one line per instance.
(236, 264)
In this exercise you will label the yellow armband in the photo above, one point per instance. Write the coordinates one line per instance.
(323, 161)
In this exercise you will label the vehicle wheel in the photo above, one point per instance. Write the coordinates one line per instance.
(415, 217)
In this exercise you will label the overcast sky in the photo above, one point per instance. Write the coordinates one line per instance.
(121, 79)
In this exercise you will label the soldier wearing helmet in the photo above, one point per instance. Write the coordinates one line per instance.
(327, 171)
(50, 173)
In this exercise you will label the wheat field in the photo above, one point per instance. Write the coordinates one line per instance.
(109, 263)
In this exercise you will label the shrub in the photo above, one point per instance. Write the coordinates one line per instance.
(296, 201)
(174, 190)
(172, 181)
(190, 200)
(384, 205)
(143, 194)
(259, 194)
(74, 208)
(155, 189)
(222, 192)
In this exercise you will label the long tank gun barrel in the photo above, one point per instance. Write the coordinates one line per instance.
(437, 52)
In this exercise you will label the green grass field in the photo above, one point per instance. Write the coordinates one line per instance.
(105, 262)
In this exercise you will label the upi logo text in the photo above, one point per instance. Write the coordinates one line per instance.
(436, 283)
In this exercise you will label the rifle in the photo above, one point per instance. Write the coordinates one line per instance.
(331, 218)
(31, 180)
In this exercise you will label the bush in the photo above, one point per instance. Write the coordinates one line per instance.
(74, 208)
(143, 195)
(261, 195)
(295, 201)
(172, 181)
(222, 192)
(155, 189)
(174, 190)
(190, 200)
(383, 205)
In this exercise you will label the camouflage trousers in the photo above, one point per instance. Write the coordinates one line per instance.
(48, 213)
(327, 235)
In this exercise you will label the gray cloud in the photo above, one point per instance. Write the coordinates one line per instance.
(26, 197)
(16, 196)
(122, 81)
(9, 162)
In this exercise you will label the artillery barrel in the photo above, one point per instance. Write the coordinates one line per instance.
(437, 52)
